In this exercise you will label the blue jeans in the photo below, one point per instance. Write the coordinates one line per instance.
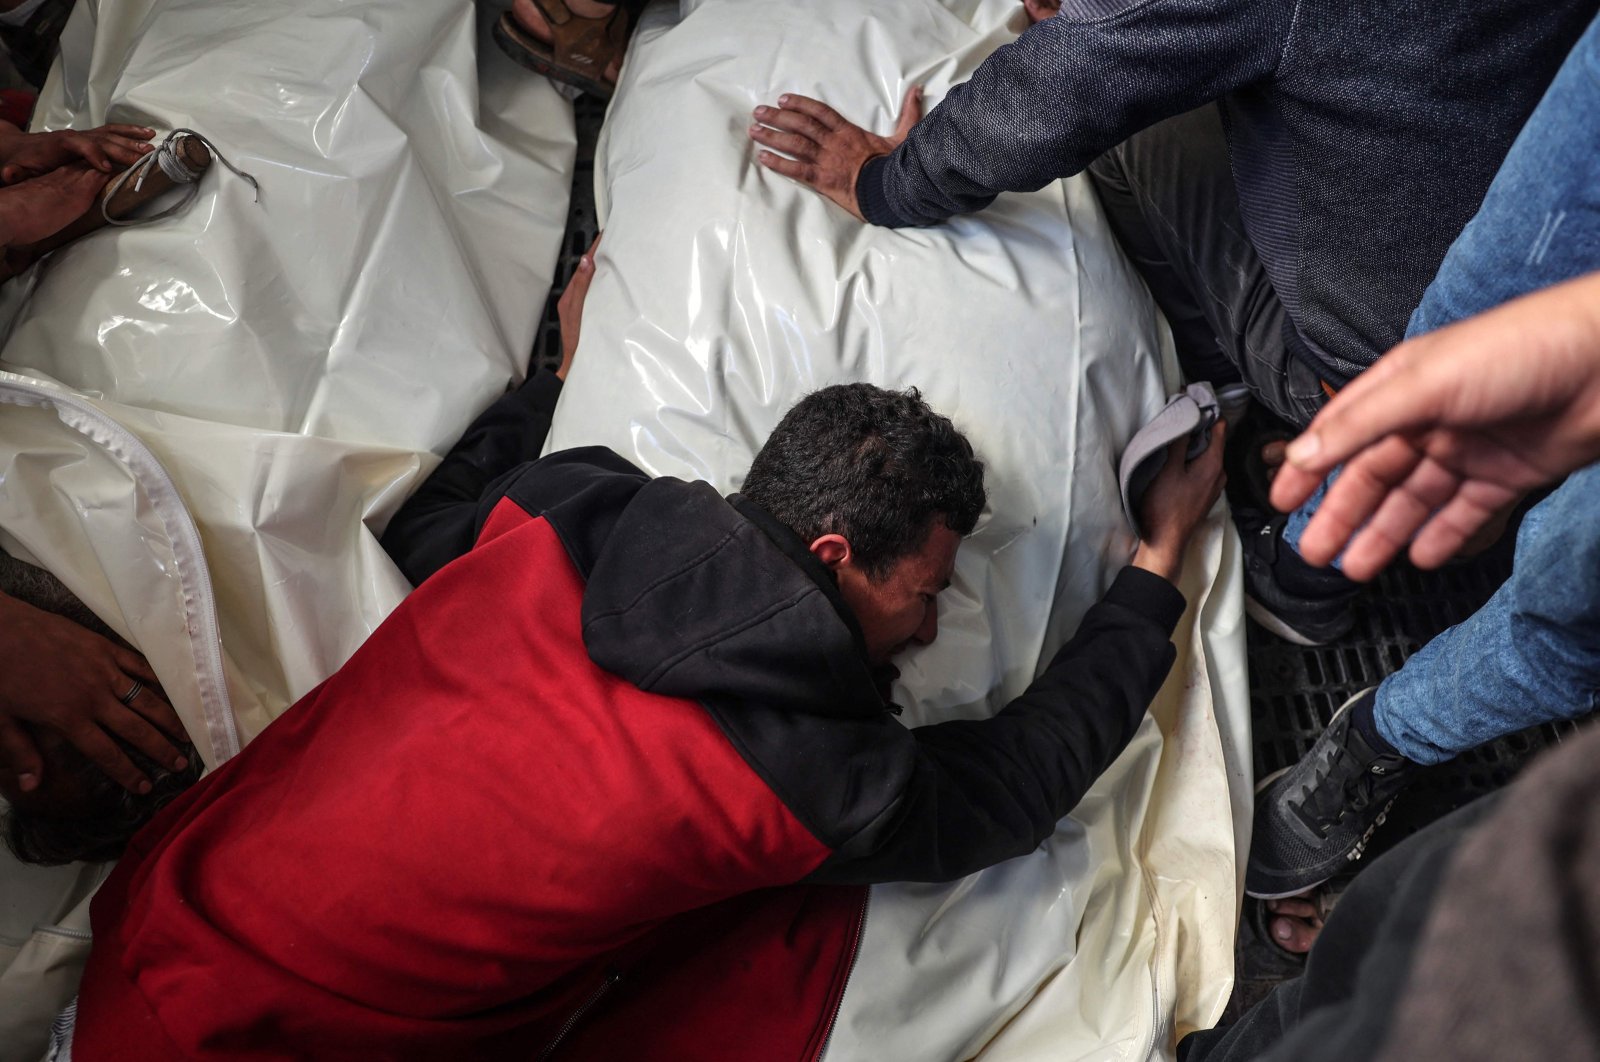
(1532, 654)
(1540, 220)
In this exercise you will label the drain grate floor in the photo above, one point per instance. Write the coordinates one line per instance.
(582, 226)
(1294, 692)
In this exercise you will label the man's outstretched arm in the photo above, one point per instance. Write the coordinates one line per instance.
(1040, 108)
(977, 792)
(439, 522)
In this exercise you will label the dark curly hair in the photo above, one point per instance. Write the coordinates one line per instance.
(873, 465)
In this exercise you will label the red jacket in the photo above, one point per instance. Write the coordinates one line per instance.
(613, 782)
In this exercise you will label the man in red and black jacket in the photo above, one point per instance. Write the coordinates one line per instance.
(611, 783)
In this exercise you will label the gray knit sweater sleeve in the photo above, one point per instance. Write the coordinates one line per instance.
(1044, 106)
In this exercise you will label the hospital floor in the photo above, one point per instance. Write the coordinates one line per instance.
(1294, 691)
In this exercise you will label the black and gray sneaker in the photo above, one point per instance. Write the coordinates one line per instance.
(1315, 818)
(1287, 596)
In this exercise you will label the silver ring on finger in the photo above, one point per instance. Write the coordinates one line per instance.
(133, 691)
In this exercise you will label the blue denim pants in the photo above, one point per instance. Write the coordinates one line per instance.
(1532, 654)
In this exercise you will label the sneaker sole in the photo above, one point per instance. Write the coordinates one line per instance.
(1258, 612)
(1287, 895)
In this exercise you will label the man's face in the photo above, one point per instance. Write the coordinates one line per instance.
(900, 608)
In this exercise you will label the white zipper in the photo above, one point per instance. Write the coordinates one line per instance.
(1158, 1017)
(188, 555)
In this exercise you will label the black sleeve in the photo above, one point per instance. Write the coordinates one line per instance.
(440, 521)
(1071, 87)
(977, 792)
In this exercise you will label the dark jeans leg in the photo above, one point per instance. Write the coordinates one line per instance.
(1340, 1007)
(1169, 195)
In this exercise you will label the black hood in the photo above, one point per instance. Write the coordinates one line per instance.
(693, 595)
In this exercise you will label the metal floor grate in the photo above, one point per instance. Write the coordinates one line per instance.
(1294, 692)
(582, 225)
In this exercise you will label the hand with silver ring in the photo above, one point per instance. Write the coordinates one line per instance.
(57, 675)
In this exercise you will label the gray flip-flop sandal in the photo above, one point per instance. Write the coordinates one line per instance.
(1192, 412)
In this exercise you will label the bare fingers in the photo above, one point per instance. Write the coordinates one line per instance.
(794, 133)
(97, 746)
(1399, 514)
(106, 150)
(800, 147)
(153, 705)
(792, 121)
(1354, 497)
(132, 132)
(1292, 485)
(127, 720)
(124, 151)
(910, 113)
(816, 109)
(19, 756)
(804, 172)
(569, 307)
(129, 705)
(1295, 924)
(1444, 535)
(809, 142)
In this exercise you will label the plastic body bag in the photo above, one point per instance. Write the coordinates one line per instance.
(724, 292)
(205, 422)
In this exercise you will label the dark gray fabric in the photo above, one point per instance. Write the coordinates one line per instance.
(1168, 193)
(1363, 133)
(1342, 1007)
(1474, 940)
(1509, 966)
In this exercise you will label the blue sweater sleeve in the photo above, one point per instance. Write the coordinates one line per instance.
(1068, 89)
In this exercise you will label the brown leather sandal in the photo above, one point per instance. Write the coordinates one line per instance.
(1323, 897)
(579, 51)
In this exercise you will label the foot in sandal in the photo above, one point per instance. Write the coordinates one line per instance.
(576, 42)
(1296, 921)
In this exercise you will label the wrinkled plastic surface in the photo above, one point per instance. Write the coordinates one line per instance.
(293, 364)
(724, 292)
